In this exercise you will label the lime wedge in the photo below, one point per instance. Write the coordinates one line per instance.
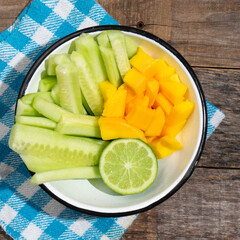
(128, 166)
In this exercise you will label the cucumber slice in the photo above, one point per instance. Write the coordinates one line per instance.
(103, 40)
(131, 47)
(24, 109)
(54, 60)
(55, 94)
(69, 88)
(111, 66)
(65, 174)
(36, 121)
(65, 151)
(72, 47)
(80, 125)
(90, 88)
(85, 104)
(47, 83)
(47, 109)
(28, 98)
(87, 46)
(44, 74)
(118, 44)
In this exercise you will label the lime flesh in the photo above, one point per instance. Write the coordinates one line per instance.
(128, 166)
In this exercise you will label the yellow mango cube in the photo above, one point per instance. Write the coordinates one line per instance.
(152, 90)
(180, 112)
(137, 101)
(173, 91)
(175, 77)
(136, 81)
(173, 130)
(155, 67)
(156, 126)
(165, 73)
(163, 102)
(164, 146)
(141, 60)
(140, 117)
(107, 90)
(115, 105)
(113, 128)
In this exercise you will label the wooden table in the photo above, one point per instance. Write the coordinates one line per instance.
(207, 34)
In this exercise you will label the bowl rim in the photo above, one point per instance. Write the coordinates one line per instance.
(179, 57)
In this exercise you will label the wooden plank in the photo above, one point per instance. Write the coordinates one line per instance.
(206, 207)
(206, 32)
(9, 11)
(222, 88)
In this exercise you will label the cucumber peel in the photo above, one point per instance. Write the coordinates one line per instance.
(66, 174)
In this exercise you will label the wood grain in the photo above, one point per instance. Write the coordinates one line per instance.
(9, 10)
(205, 32)
(196, 212)
(222, 88)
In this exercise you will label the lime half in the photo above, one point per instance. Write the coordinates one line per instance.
(128, 166)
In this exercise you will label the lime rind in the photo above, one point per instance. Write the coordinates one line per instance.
(128, 166)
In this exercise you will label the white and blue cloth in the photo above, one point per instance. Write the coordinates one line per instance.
(26, 211)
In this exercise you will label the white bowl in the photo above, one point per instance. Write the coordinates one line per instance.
(93, 197)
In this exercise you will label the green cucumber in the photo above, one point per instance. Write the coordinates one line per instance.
(65, 151)
(86, 45)
(47, 109)
(72, 47)
(80, 125)
(118, 44)
(90, 88)
(86, 106)
(44, 74)
(54, 60)
(46, 84)
(111, 66)
(24, 109)
(69, 88)
(65, 174)
(131, 47)
(103, 39)
(55, 94)
(28, 98)
(35, 121)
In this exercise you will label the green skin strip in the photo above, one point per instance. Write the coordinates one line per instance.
(35, 121)
(66, 174)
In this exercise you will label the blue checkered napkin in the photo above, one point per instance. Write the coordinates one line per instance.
(26, 211)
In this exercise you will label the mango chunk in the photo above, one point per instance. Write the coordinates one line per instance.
(141, 60)
(130, 93)
(150, 139)
(162, 101)
(173, 130)
(140, 117)
(115, 105)
(175, 77)
(173, 91)
(152, 90)
(165, 73)
(156, 126)
(180, 112)
(107, 89)
(113, 128)
(155, 67)
(164, 146)
(137, 101)
(136, 81)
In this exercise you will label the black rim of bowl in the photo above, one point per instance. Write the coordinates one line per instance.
(189, 69)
